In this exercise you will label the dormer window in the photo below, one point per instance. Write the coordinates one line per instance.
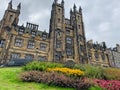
(33, 33)
(21, 31)
(2, 43)
(44, 36)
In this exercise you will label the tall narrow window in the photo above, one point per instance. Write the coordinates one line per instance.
(78, 17)
(2, 43)
(103, 57)
(10, 18)
(79, 26)
(31, 44)
(59, 10)
(97, 56)
(58, 56)
(69, 51)
(58, 20)
(69, 40)
(18, 42)
(44, 36)
(81, 48)
(58, 44)
(43, 47)
(33, 33)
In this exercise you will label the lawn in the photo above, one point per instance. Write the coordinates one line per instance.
(9, 80)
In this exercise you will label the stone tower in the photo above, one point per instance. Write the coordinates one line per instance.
(76, 20)
(56, 34)
(67, 36)
(11, 16)
(7, 24)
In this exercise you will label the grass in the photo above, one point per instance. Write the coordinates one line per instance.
(9, 80)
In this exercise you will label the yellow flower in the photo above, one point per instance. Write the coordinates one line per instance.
(67, 71)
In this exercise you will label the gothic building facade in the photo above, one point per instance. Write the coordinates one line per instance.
(66, 39)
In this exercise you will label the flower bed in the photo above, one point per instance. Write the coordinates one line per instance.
(108, 84)
(68, 71)
(53, 78)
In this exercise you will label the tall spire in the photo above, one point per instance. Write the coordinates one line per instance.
(74, 7)
(19, 6)
(10, 5)
(55, 1)
(71, 10)
(80, 9)
(10, 2)
(62, 2)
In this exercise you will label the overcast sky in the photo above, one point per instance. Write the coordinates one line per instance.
(101, 17)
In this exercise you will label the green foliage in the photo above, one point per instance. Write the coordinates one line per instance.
(69, 64)
(9, 80)
(111, 73)
(53, 78)
(41, 66)
(91, 71)
(99, 72)
(94, 72)
(95, 88)
(80, 66)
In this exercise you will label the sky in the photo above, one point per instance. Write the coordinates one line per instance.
(101, 17)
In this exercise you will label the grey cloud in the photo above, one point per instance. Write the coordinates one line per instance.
(101, 18)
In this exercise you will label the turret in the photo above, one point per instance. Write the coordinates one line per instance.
(74, 8)
(55, 1)
(80, 9)
(62, 3)
(70, 11)
(19, 8)
(10, 5)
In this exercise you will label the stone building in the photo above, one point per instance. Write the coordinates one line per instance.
(19, 41)
(114, 56)
(97, 54)
(66, 39)
(67, 36)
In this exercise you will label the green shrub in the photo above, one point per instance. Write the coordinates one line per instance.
(53, 78)
(111, 73)
(41, 66)
(79, 66)
(69, 64)
(91, 71)
(94, 72)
